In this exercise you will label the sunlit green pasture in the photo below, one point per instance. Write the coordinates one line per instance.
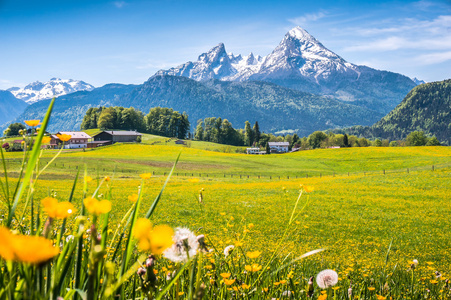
(354, 216)
(131, 159)
(372, 211)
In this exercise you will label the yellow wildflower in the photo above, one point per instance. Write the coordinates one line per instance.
(229, 281)
(156, 239)
(253, 268)
(27, 249)
(308, 189)
(238, 244)
(57, 210)
(379, 297)
(322, 297)
(88, 178)
(64, 137)
(32, 123)
(371, 288)
(97, 207)
(145, 175)
(193, 180)
(253, 254)
(225, 275)
(250, 225)
(133, 198)
(46, 139)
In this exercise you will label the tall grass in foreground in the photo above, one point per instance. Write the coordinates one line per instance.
(52, 249)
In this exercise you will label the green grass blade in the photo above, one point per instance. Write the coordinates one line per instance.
(157, 199)
(71, 196)
(171, 283)
(6, 189)
(31, 163)
(128, 245)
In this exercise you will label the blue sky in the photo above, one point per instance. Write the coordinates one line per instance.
(128, 41)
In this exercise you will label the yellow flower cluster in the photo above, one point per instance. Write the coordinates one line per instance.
(97, 207)
(32, 123)
(253, 268)
(253, 254)
(27, 249)
(57, 210)
(64, 137)
(156, 239)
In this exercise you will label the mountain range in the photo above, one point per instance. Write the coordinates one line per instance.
(55, 87)
(300, 87)
(10, 107)
(301, 62)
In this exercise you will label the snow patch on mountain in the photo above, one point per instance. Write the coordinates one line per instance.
(55, 87)
(418, 81)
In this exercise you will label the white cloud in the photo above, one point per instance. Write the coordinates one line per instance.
(408, 33)
(434, 58)
(307, 18)
(6, 84)
(119, 4)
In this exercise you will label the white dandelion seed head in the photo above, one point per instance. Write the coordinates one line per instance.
(415, 262)
(228, 250)
(327, 278)
(69, 238)
(185, 243)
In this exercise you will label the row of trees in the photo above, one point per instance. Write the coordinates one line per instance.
(160, 120)
(221, 131)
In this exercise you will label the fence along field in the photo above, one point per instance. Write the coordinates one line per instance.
(372, 227)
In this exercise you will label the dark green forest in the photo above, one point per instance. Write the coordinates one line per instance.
(160, 120)
(426, 108)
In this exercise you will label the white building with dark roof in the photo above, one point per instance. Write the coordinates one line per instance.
(78, 139)
(279, 147)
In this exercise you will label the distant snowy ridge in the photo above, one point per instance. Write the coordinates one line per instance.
(55, 87)
(418, 81)
(302, 63)
(298, 53)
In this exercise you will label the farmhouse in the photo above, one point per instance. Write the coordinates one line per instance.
(78, 140)
(180, 142)
(278, 147)
(117, 136)
(254, 150)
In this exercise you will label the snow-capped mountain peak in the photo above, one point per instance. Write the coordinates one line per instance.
(298, 53)
(55, 87)
(418, 81)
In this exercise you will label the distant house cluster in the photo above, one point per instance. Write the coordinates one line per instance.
(79, 139)
(274, 147)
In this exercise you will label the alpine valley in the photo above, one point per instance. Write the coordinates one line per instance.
(300, 87)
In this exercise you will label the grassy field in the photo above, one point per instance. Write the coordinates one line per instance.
(131, 159)
(355, 212)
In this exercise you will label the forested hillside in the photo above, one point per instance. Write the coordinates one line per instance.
(426, 108)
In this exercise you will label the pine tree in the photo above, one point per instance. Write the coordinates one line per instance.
(248, 134)
(257, 133)
(199, 134)
(345, 140)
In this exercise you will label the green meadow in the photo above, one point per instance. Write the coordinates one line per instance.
(372, 210)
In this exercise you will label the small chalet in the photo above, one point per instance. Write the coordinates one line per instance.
(117, 136)
(254, 150)
(78, 139)
(180, 142)
(278, 147)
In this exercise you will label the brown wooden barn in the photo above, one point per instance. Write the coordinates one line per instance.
(117, 136)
